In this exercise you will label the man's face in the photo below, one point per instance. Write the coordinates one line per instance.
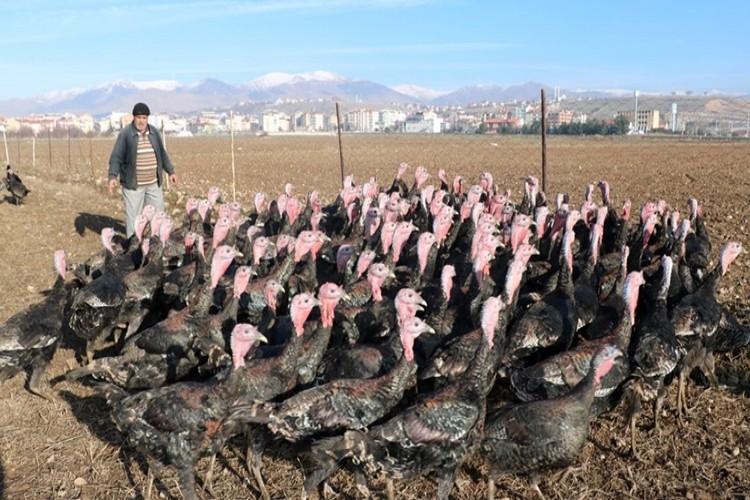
(140, 122)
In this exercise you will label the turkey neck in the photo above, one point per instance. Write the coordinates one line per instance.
(205, 299)
(285, 269)
(711, 283)
(394, 383)
(429, 270)
(585, 391)
(565, 279)
(478, 376)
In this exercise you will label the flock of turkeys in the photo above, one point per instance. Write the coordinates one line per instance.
(397, 331)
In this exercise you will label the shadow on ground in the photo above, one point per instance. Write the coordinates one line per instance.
(95, 223)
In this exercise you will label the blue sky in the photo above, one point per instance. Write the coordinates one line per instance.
(652, 46)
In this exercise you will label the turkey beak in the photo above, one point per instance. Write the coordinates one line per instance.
(238, 253)
(422, 302)
(262, 339)
(427, 329)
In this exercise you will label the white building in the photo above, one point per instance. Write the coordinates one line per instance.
(274, 121)
(363, 120)
(390, 118)
(427, 122)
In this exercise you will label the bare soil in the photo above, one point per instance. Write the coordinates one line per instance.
(67, 448)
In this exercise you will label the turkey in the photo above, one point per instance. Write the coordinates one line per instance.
(178, 280)
(532, 437)
(272, 377)
(452, 357)
(654, 353)
(697, 242)
(16, 187)
(366, 360)
(347, 403)
(316, 344)
(560, 373)
(29, 338)
(97, 305)
(435, 434)
(442, 315)
(696, 318)
(172, 348)
(550, 323)
(179, 423)
(359, 310)
(128, 255)
(143, 284)
(586, 284)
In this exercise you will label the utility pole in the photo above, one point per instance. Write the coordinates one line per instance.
(635, 114)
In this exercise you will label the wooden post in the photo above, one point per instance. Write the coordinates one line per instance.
(69, 165)
(91, 158)
(341, 151)
(33, 151)
(5, 140)
(544, 143)
(49, 145)
(234, 173)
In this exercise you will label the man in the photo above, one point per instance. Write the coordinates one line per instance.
(139, 159)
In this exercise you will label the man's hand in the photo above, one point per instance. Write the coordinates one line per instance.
(173, 179)
(111, 185)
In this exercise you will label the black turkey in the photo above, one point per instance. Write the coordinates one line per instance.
(179, 423)
(29, 338)
(533, 437)
(13, 183)
(435, 434)
(97, 305)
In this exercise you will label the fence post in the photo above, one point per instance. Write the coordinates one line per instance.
(341, 151)
(49, 146)
(69, 162)
(91, 158)
(234, 174)
(544, 142)
(5, 140)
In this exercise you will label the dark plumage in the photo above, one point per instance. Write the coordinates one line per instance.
(434, 435)
(13, 183)
(179, 423)
(29, 338)
(97, 305)
(347, 403)
(696, 317)
(542, 435)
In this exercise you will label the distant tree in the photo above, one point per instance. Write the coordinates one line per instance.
(622, 125)
(533, 128)
(507, 129)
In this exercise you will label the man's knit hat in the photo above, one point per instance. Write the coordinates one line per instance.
(141, 109)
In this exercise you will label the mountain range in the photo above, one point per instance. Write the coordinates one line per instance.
(315, 90)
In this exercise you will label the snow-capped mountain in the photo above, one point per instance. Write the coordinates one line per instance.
(276, 79)
(283, 91)
(420, 93)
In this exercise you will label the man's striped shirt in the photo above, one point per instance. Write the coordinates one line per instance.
(145, 161)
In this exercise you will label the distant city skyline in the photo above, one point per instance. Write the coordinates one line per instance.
(437, 44)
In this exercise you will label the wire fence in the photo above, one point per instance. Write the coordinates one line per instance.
(495, 137)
